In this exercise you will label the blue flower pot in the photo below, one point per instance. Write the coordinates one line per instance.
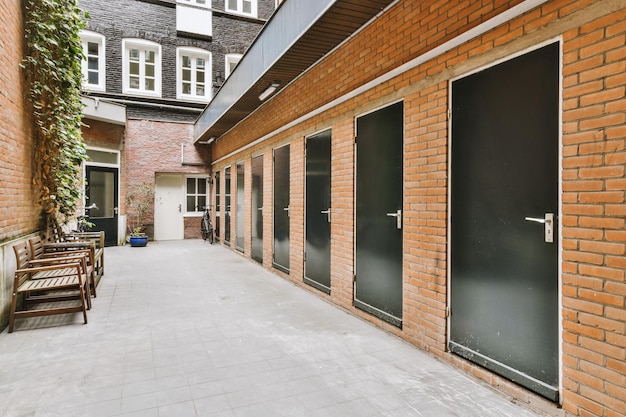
(138, 241)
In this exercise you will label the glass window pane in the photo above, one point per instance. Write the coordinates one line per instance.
(149, 70)
(186, 62)
(134, 82)
(191, 203)
(186, 88)
(186, 75)
(92, 48)
(150, 55)
(92, 63)
(247, 7)
(232, 4)
(201, 186)
(92, 77)
(201, 1)
(134, 68)
(200, 90)
(133, 54)
(200, 77)
(200, 63)
(149, 84)
(191, 185)
(103, 156)
(201, 202)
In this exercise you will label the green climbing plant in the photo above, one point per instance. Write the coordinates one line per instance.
(52, 63)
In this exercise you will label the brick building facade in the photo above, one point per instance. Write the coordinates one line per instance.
(156, 140)
(19, 213)
(421, 55)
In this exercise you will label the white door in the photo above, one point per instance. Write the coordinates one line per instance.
(168, 207)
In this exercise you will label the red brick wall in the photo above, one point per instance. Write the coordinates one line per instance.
(594, 213)
(18, 209)
(192, 227)
(593, 176)
(155, 147)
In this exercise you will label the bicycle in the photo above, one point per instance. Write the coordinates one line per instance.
(206, 227)
(82, 221)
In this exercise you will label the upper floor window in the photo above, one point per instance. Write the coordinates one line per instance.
(194, 70)
(244, 7)
(93, 64)
(231, 61)
(141, 67)
(204, 3)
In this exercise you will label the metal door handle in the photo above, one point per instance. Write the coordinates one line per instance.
(260, 209)
(115, 210)
(398, 216)
(548, 222)
(180, 208)
(287, 210)
(327, 212)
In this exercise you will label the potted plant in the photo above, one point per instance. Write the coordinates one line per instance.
(138, 201)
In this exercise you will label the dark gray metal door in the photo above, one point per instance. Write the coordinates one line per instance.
(241, 195)
(102, 190)
(281, 208)
(218, 205)
(257, 208)
(379, 150)
(227, 188)
(504, 203)
(318, 212)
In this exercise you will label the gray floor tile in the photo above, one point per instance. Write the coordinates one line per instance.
(189, 329)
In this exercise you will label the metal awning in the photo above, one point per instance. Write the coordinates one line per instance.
(298, 34)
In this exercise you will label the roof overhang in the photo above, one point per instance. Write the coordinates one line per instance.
(299, 33)
(103, 111)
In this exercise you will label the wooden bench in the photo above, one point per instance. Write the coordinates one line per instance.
(82, 251)
(47, 281)
(56, 235)
(98, 239)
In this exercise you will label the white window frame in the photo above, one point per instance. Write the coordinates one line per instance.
(143, 46)
(239, 9)
(200, 210)
(207, 3)
(194, 53)
(87, 36)
(228, 58)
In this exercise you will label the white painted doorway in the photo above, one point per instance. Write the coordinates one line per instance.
(168, 207)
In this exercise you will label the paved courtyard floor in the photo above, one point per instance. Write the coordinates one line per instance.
(185, 329)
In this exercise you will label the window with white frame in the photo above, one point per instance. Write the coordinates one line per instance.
(196, 194)
(244, 7)
(204, 3)
(231, 61)
(141, 67)
(93, 65)
(194, 72)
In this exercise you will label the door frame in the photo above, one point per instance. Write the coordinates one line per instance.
(389, 319)
(282, 268)
(121, 225)
(240, 216)
(309, 281)
(227, 208)
(254, 209)
(559, 243)
(182, 202)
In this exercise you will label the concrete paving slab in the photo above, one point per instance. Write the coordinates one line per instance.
(188, 329)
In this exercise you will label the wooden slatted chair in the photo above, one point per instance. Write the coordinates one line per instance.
(68, 251)
(55, 234)
(59, 281)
